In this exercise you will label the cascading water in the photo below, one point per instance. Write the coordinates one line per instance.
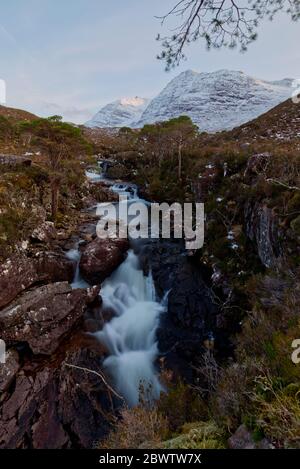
(94, 177)
(130, 336)
(78, 282)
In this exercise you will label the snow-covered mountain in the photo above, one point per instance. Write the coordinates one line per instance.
(216, 101)
(120, 113)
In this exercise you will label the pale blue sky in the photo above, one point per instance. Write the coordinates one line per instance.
(70, 57)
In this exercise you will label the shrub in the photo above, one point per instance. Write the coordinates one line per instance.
(136, 427)
(182, 405)
(279, 411)
(231, 401)
(199, 435)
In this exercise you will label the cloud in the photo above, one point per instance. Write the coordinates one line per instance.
(71, 61)
(70, 113)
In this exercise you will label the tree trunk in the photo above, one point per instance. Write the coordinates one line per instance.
(179, 161)
(54, 204)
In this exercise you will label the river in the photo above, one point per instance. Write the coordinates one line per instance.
(130, 336)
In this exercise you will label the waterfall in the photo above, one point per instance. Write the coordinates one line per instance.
(94, 177)
(130, 336)
(78, 282)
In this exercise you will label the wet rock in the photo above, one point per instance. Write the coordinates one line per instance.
(191, 313)
(93, 297)
(262, 227)
(100, 258)
(9, 369)
(96, 317)
(42, 316)
(54, 267)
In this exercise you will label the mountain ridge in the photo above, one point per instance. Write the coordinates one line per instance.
(215, 101)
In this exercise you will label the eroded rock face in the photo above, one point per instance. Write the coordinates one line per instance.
(191, 315)
(19, 272)
(42, 316)
(16, 274)
(100, 258)
(262, 228)
(56, 407)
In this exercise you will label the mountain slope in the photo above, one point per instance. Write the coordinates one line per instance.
(216, 101)
(281, 123)
(16, 114)
(120, 113)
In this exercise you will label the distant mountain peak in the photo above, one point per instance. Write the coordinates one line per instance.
(136, 101)
(215, 101)
(121, 113)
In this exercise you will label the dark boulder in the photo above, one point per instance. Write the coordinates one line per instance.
(100, 258)
(54, 267)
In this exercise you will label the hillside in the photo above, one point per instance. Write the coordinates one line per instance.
(16, 114)
(281, 124)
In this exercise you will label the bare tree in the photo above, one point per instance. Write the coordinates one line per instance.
(221, 23)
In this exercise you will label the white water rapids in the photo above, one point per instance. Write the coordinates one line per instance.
(130, 336)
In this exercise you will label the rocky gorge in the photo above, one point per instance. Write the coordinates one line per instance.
(85, 319)
(47, 326)
(42, 323)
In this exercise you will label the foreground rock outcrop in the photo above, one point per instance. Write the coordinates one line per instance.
(42, 316)
(19, 272)
(55, 406)
(16, 274)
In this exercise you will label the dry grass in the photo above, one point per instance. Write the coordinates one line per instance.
(137, 427)
(278, 411)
